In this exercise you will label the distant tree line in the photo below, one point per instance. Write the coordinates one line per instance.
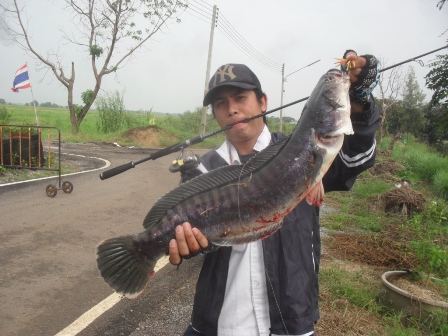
(47, 104)
(410, 114)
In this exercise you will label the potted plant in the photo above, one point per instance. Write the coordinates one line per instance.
(428, 233)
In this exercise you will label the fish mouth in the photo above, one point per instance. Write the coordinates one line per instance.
(329, 140)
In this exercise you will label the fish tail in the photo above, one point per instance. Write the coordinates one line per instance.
(126, 263)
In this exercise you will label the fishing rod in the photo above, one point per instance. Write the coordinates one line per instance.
(199, 138)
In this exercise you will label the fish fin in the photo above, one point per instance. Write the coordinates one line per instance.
(316, 195)
(124, 265)
(213, 179)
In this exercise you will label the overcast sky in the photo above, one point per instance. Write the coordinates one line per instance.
(169, 74)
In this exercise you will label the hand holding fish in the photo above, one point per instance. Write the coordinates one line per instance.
(188, 242)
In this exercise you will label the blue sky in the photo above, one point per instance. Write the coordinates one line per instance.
(169, 74)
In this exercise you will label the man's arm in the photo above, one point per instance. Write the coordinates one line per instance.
(358, 151)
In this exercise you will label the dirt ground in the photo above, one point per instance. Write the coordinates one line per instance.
(148, 137)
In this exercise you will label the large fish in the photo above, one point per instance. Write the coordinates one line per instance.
(239, 204)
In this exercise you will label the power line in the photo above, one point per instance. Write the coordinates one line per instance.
(199, 7)
(208, 22)
(244, 48)
(205, 3)
(201, 10)
(249, 46)
(198, 13)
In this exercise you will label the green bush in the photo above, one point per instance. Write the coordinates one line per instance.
(5, 115)
(429, 232)
(111, 112)
(441, 183)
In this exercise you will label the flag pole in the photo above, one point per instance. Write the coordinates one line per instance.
(32, 97)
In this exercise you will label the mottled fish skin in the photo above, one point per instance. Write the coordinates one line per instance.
(238, 204)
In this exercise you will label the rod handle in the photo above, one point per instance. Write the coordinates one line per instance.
(116, 170)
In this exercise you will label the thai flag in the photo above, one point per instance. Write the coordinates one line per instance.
(21, 80)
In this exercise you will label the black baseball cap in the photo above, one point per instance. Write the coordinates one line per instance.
(238, 75)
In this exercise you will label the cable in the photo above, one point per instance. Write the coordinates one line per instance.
(203, 15)
(208, 22)
(246, 51)
(207, 4)
(200, 9)
(240, 37)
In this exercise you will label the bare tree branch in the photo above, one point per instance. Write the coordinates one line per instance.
(389, 86)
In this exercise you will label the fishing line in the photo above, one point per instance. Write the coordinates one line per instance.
(276, 302)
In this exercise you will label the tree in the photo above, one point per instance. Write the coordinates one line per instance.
(412, 119)
(289, 120)
(437, 80)
(105, 28)
(389, 87)
(2, 101)
(437, 114)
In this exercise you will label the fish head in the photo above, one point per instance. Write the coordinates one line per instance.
(328, 110)
(331, 105)
(328, 115)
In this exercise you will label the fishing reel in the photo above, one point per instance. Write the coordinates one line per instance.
(182, 164)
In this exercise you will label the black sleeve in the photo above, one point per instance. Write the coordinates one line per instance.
(358, 151)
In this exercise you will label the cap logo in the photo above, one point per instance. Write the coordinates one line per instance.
(225, 70)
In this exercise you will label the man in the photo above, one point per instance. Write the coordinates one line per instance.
(269, 287)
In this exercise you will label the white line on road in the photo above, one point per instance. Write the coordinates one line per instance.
(88, 317)
(106, 165)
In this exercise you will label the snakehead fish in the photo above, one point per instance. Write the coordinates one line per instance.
(239, 204)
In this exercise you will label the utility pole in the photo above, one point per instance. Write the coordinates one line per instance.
(283, 88)
(207, 75)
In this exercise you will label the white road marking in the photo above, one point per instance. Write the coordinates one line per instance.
(88, 317)
(106, 165)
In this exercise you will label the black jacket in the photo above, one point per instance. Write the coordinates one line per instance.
(292, 254)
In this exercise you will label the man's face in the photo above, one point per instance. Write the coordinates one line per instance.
(232, 105)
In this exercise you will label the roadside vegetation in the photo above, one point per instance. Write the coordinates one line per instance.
(394, 218)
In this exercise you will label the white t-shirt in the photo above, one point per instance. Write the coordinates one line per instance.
(245, 311)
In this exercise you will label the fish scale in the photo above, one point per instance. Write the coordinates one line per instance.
(239, 204)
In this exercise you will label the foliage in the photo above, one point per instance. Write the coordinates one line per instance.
(423, 163)
(436, 127)
(186, 125)
(437, 80)
(429, 232)
(96, 51)
(49, 104)
(111, 112)
(5, 115)
(274, 125)
(87, 97)
(412, 118)
(2, 101)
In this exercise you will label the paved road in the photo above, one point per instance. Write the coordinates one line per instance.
(48, 272)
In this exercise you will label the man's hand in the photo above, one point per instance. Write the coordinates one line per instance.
(364, 76)
(188, 243)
